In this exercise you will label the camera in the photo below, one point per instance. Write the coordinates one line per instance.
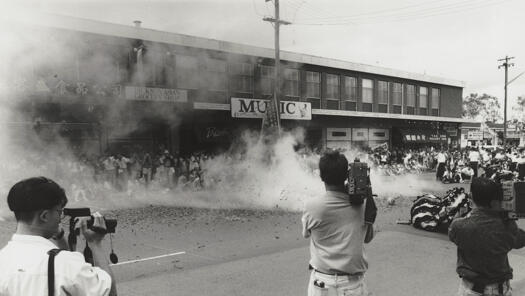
(358, 186)
(111, 224)
(512, 196)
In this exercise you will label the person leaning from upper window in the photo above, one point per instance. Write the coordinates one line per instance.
(337, 230)
(484, 238)
(38, 205)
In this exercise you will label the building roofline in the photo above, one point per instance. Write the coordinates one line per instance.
(110, 29)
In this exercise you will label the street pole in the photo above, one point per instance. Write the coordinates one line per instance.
(277, 71)
(506, 64)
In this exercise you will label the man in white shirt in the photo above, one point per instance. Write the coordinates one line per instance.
(474, 160)
(441, 161)
(38, 207)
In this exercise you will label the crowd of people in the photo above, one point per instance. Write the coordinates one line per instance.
(451, 165)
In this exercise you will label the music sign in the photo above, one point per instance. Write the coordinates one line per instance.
(255, 108)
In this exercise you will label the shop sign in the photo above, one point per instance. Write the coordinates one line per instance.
(474, 135)
(378, 134)
(359, 134)
(255, 108)
(141, 93)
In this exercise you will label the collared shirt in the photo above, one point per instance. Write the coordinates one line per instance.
(484, 239)
(441, 158)
(337, 232)
(23, 270)
(474, 156)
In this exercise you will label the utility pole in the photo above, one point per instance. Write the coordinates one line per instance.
(277, 71)
(506, 64)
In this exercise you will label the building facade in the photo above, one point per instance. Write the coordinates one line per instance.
(106, 86)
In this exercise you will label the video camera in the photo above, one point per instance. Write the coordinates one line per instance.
(359, 186)
(111, 225)
(513, 199)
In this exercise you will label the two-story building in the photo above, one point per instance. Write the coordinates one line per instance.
(106, 86)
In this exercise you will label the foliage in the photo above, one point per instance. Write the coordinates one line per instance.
(482, 107)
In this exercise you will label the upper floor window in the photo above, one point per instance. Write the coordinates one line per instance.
(411, 96)
(313, 84)
(216, 78)
(435, 102)
(186, 72)
(241, 77)
(397, 97)
(350, 89)
(332, 86)
(383, 92)
(291, 83)
(266, 79)
(411, 99)
(367, 86)
(423, 101)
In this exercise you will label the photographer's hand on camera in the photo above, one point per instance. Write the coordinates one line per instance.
(94, 234)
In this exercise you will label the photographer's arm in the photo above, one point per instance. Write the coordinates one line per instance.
(95, 243)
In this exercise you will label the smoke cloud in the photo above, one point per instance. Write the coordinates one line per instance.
(38, 64)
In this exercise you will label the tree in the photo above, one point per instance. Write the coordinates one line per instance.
(484, 108)
(519, 109)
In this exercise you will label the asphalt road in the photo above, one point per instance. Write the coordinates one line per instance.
(261, 252)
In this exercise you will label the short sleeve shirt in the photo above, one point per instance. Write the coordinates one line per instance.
(337, 231)
(23, 270)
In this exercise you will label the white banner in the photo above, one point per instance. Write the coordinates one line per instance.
(141, 93)
(475, 135)
(254, 108)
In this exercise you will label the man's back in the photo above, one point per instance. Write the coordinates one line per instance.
(337, 231)
(484, 240)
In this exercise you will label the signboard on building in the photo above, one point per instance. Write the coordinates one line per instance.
(377, 134)
(359, 134)
(142, 93)
(255, 108)
(474, 135)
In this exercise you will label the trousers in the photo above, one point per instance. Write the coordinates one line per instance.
(465, 289)
(336, 285)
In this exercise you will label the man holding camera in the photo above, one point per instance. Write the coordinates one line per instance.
(484, 238)
(31, 263)
(338, 230)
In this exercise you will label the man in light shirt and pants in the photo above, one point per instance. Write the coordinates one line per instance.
(474, 160)
(337, 230)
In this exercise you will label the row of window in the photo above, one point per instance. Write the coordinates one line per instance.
(339, 91)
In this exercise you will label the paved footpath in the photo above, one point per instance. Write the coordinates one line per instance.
(401, 263)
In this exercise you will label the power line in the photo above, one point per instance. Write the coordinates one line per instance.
(381, 11)
(412, 15)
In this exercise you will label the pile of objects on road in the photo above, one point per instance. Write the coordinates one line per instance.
(433, 213)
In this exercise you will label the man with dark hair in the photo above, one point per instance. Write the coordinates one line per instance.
(484, 238)
(337, 230)
(25, 263)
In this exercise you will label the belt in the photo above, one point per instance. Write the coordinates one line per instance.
(310, 267)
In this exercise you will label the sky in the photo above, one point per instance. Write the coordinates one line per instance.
(455, 39)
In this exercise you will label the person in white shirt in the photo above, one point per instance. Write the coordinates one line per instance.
(474, 160)
(441, 160)
(38, 205)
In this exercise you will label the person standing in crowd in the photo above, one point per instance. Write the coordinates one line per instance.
(38, 205)
(484, 239)
(147, 165)
(441, 163)
(474, 160)
(337, 233)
